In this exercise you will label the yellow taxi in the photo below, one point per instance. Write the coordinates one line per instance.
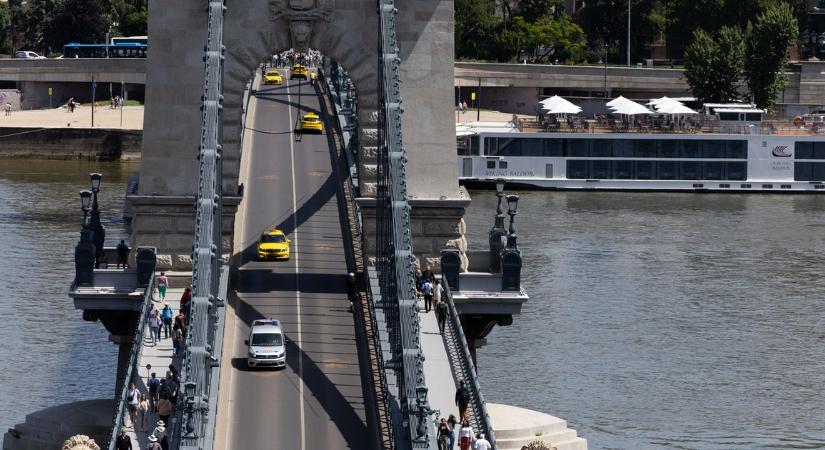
(273, 76)
(273, 244)
(311, 123)
(298, 71)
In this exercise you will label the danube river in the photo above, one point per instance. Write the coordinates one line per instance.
(50, 355)
(658, 320)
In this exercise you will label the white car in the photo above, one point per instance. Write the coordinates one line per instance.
(266, 346)
(24, 54)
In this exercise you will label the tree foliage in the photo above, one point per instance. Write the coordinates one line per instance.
(475, 24)
(714, 65)
(605, 22)
(79, 21)
(767, 53)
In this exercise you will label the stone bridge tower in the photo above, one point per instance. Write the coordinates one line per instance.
(344, 30)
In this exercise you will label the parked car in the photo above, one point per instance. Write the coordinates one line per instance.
(25, 54)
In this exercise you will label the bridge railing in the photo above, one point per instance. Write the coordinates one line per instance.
(394, 256)
(201, 360)
(462, 365)
(131, 368)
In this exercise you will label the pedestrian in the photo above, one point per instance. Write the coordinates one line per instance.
(163, 440)
(465, 435)
(153, 443)
(465, 106)
(167, 315)
(8, 108)
(132, 400)
(438, 290)
(122, 254)
(185, 301)
(154, 326)
(481, 443)
(443, 435)
(143, 411)
(462, 399)
(153, 384)
(119, 102)
(180, 323)
(177, 341)
(162, 283)
(451, 422)
(164, 408)
(111, 103)
(427, 289)
(123, 441)
(441, 313)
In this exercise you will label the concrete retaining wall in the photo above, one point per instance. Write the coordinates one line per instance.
(67, 143)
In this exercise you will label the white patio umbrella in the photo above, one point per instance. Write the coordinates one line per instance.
(618, 101)
(675, 108)
(656, 102)
(629, 108)
(563, 109)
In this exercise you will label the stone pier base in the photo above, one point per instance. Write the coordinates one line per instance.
(436, 224)
(168, 224)
(48, 428)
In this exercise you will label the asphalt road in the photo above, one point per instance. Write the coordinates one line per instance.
(316, 402)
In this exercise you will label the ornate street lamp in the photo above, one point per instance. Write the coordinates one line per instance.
(85, 204)
(94, 222)
(497, 233)
(189, 390)
(512, 208)
(511, 256)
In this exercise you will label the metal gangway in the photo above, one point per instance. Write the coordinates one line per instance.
(388, 317)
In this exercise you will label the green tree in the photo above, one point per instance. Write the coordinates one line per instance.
(535, 10)
(767, 53)
(606, 21)
(134, 22)
(550, 39)
(714, 65)
(78, 21)
(475, 23)
(5, 28)
(35, 21)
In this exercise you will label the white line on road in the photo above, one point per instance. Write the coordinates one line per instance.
(297, 275)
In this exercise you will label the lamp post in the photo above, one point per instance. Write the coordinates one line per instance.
(497, 233)
(84, 251)
(511, 256)
(95, 226)
(512, 207)
(813, 37)
(189, 430)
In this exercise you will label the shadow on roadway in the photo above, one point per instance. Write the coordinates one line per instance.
(332, 400)
(257, 281)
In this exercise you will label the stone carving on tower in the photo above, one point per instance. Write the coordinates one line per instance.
(80, 442)
(301, 15)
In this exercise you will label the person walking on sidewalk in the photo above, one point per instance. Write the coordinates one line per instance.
(164, 408)
(132, 400)
(465, 435)
(153, 384)
(153, 443)
(180, 323)
(166, 315)
(427, 289)
(154, 326)
(123, 441)
(177, 342)
(441, 312)
(186, 300)
(143, 411)
(162, 283)
(122, 254)
(462, 399)
(481, 443)
(443, 435)
(452, 423)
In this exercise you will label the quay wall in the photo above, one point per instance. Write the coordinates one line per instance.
(70, 143)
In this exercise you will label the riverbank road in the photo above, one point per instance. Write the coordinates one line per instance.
(316, 401)
(159, 357)
(105, 117)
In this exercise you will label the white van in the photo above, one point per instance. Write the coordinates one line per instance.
(266, 346)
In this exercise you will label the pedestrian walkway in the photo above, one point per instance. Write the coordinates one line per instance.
(159, 357)
(440, 381)
(130, 118)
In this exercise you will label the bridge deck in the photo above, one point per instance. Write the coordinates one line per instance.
(316, 401)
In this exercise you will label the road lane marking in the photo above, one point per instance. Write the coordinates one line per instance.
(297, 275)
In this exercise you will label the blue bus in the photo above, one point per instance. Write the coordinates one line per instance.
(119, 50)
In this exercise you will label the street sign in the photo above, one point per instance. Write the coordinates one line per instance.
(148, 367)
(50, 91)
(472, 96)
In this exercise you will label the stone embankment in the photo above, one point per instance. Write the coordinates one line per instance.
(70, 143)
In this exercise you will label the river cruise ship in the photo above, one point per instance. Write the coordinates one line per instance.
(757, 160)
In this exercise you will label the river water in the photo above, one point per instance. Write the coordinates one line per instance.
(49, 354)
(690, 321)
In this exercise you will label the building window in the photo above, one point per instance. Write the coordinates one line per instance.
(577, 169)
(502, 164)
(491, 163)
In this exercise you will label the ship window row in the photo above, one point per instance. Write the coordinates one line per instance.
(656, 170)
(809, 171)
(616, 148)
(809, 150)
